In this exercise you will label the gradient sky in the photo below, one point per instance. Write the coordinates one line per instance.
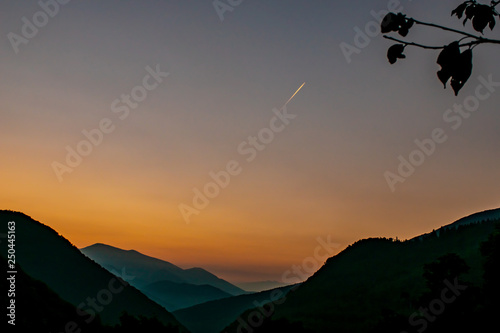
(323, 175)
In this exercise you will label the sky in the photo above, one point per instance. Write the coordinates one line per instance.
(116, 115)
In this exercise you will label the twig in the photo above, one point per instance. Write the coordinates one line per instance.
(414, 44)
(478, 40)
(446, 28)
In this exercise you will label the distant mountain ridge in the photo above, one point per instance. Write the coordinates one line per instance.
(147, 270)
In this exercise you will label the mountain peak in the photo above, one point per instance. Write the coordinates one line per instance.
(147, 270)
(484, 216)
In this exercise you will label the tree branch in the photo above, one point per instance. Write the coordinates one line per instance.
(447, 29)
(413, 44)
(478, 41)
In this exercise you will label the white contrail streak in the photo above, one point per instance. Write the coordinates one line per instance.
(293, 95)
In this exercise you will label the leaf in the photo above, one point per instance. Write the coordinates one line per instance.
(469, 13)
(479, 23)
(462, 71)
(456, 85)
(396, 22)
(405, 27)
(443, 76)
(389, 23)
(483, 15)
(459, 11)
(448, 55)
(403, 31)
(409, 23)
(395, 52)
(455, 66)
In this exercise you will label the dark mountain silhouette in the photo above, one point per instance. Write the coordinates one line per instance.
(41, 309)
(211, 317)
(375, 285)
(147, 270)
(487, 215)
(377, 279)
(173, 296)
(48, 257)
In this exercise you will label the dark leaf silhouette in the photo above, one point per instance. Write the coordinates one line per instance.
(405, 27)
(389, 23)
(447, 59)
(449, 54)
(444, 76)
(483, 16)
(469, 13)
(462, 72)
(455, 66)
(396, 22)
(480, 15)
(403, 32)
(395, 52)
(459, 11)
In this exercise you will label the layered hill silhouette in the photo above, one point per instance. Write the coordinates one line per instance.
(374, 286)
(213, 316)
(173, 296)
(165, 283)
(147, 270)
(46, 256)
(355, 290)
